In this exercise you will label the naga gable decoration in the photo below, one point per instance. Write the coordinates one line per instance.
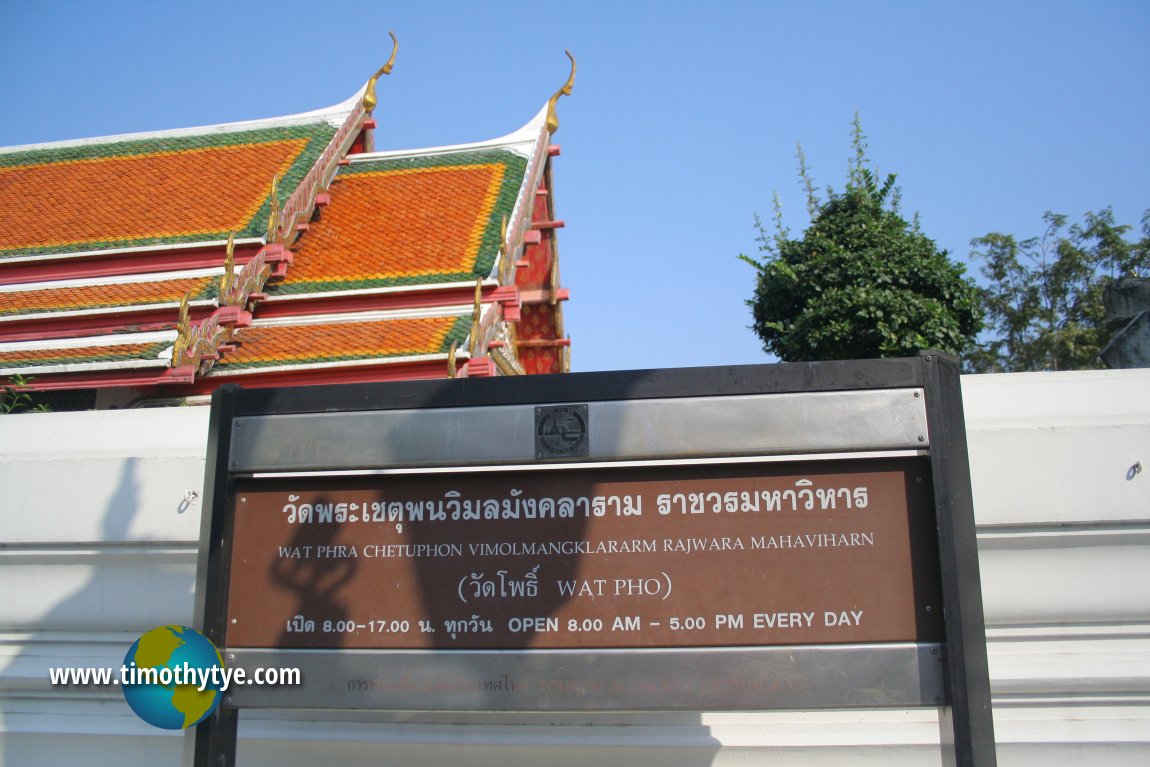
(552, 117)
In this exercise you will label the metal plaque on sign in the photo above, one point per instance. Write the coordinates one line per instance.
(561, 431)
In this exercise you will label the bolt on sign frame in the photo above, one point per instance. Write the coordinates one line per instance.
(793, 536)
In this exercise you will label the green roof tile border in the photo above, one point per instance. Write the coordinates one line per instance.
(146, 351)
(513, 180)
(318, 134)
(333, 286)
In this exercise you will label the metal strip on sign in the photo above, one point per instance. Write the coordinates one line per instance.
(810, 677)
(767, 424)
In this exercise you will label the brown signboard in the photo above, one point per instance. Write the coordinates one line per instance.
(702, 555)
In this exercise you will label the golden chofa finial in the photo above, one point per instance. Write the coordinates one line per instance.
(369, 99)
(552, 118)
(228, 281)
(274, 209)
(183, 331)
(504, 262)
(476, 313)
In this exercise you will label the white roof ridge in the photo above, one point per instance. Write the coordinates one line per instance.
(113, 279)
(131, 249)
(334, 115)
(106, 339)
(368, 315)
(525, 136)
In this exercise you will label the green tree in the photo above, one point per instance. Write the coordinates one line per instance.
(1044, 294)
(14, 398)
(861, 281)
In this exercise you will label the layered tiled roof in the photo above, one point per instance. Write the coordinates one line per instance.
(379, 265)
(324, 342)
(106, 353)
(164, 190)
(106, 294)
(408, 221)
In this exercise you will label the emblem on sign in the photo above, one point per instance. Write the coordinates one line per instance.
(561, 431)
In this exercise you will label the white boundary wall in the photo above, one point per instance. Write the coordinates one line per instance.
(98, 543)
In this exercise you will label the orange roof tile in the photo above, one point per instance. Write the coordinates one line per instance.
(150, 350)
(108, 295)
(149, 191)
(402, 221)
(276, 345)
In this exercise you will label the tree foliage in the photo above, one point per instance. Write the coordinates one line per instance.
(15, 399)
(1044, 294)
(861, 281)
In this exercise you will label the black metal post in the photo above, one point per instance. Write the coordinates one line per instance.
(966, 724)
(213, 744)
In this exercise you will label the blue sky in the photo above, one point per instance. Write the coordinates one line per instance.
(682, 124)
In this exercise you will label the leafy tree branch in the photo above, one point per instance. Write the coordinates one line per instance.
(1044, 294)
(860, 282)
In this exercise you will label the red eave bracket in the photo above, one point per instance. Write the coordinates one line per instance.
(277, 253)
(543, 343)
(480, 367)
(234, 315)
(508, 298)
(547, 224)
(543, 296)
(322, 199)
(532, 237)
(554, 150)
(279, 258)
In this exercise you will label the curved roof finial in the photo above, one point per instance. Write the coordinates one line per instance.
(504, 263)
(183, 331)
(273, 210)
(228, 281)
(369, 99)
(552, 118)
(476, 313)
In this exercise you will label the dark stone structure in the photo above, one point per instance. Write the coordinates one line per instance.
(1127, 304)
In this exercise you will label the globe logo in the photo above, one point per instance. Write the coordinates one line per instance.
(172, 677)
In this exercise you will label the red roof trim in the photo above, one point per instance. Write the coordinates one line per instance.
(50, 270)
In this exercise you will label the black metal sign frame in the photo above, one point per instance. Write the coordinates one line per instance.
(560, 430)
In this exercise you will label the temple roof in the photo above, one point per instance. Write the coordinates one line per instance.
(114, 271)
(405, 220)
(104, 353)
(170, 187)
(164, 289)
(350, 339)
